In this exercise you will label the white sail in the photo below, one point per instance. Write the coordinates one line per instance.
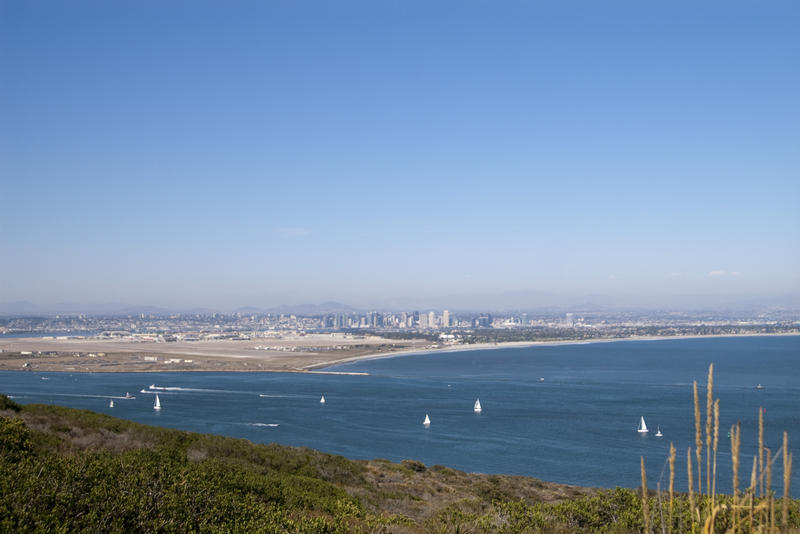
(111, 403)
(427, 420)
(322, 400)
(157, 405)
(478, 408)
(658, 433)
(642, 425)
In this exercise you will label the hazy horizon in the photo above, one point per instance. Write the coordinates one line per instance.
(506, 302)
(253, 154)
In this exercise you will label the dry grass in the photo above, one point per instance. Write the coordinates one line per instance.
(709, 418)
(671, 481)
(698, 441)
(645, 507)
(750, 510)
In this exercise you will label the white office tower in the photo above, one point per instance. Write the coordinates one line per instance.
(445, 319)
(431, 320)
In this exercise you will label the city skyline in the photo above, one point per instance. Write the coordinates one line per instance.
(373, 154)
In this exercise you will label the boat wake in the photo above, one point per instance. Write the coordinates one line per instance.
(154, 387)
(78, 395)
(271, 425)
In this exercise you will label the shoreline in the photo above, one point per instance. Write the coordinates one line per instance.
(155, 361)
(524, 344)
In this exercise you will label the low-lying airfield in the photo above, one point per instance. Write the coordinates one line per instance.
(285, 353)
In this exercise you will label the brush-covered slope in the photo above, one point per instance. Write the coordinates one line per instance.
(66, 470)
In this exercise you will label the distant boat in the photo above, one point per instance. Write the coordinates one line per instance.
(157, 405)
(129, 396)
(541, 380)
(142, 390)
(477, 407)
(759, 386)
(322, 400)
(111, 403)
(152, 386)
(427, 421)
(658, 433)
(642, 425)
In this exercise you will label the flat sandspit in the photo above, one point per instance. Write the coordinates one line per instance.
(306, 353)
(284, 353)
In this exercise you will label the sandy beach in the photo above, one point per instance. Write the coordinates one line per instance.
(288, 353)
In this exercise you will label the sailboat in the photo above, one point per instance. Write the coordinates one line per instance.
(157, 405)
(478, 408)
(322, 400)
(111, 403)
(642, 425)
(427, 421)
(659, 434)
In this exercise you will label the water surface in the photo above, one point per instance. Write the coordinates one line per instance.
(576, 426)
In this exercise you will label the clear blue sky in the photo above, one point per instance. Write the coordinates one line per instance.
(252, 153)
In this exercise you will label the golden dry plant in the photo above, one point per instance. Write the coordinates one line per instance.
(709, 404)
(671, 480)
(698, 441)
(645, 508)
(747, 510)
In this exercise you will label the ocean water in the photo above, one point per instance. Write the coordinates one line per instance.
(577, 426)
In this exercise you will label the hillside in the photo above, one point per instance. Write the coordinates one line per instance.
(67, 470)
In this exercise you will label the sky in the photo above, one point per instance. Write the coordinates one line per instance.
(225, 154)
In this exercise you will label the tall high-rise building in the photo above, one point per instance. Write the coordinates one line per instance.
(569, 319)
(423, 321)
(445, 319)
(431, 320)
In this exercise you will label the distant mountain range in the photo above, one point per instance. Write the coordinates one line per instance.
(508, 301)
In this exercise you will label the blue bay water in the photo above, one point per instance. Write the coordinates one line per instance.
(577, 426)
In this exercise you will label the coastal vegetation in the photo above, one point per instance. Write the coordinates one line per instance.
(67, 470)
(750, 509)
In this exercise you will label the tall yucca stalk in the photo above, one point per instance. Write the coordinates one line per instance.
(787, 478)
(698, 441)
(761, 450)
(645, 508)
(751, 491)
(671, 482)
(709, 404)
(691, 486)
(762, 510)
(715, 446)
(771, 505)
(735, 442)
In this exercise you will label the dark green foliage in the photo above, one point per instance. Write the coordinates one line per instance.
(414, 465)
(610, 511)
(8, 404)
(237, 487)
(76, 471)
(15, 440)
